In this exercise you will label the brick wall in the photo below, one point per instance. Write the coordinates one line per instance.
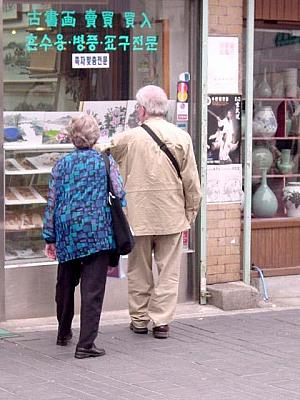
(223, 243)
(224, 220)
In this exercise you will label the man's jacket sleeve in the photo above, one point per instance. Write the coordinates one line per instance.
(191, 184)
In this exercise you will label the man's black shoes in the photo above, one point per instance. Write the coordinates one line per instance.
(63, 340)
(82, 352)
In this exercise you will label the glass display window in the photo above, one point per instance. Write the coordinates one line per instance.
(58, 54)
(276, 123)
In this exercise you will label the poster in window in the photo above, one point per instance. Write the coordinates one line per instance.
(224, 129)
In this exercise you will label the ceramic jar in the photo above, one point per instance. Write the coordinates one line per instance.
(285, 163)
(262, 157)
(264, 122)
(291, 198)
(264, 201)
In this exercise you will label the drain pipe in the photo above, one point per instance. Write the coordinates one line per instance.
(262, 278)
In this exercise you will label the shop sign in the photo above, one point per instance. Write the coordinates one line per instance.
(100, 27)
(86, 60)
(182, 111)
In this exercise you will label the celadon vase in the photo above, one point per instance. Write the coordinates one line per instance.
(262, 157)
(285, 163)
(264, 201)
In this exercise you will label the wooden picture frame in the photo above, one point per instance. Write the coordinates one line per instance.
(152, 67)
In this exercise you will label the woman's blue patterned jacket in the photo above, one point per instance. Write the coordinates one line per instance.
(77, 217)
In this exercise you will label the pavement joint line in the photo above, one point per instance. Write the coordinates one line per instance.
(111, 318)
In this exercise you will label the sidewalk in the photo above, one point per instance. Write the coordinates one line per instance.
(211, 355)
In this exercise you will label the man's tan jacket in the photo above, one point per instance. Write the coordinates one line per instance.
(158, 201)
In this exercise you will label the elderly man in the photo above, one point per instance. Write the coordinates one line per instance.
(161, 203)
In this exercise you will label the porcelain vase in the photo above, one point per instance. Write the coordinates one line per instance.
(264, 122)
(264, 89)
(291, 199)
(264, 201)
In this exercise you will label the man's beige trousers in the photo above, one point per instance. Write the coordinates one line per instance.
(147, 300)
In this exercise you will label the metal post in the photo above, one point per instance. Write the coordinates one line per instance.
(248, 142)
(202, 221)
(2, 271)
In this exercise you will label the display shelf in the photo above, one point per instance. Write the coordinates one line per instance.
(27, 169)
(255, 138)
(29, 172)
(13, 167)
(276, 99)
(278, 176)
(275, 222)
(20, 196)
(25, 148)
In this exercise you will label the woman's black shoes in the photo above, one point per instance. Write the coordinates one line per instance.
(82, 352)
(63, 340)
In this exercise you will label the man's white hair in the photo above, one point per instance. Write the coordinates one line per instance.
(153, 99)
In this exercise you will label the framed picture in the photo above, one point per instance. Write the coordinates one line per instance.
(10, 11)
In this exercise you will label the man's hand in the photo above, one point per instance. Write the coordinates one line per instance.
(50, 251)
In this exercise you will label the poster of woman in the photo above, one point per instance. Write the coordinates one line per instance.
(224, 129)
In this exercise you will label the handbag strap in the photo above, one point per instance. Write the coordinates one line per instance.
(107, 167)
(163, 147)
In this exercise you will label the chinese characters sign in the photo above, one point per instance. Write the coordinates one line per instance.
(98, 27)
(223, 65)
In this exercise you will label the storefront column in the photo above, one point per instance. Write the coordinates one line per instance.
(2, 272)
(248, 142)
(201, 228)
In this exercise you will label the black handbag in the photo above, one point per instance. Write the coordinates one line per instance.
(122, 232)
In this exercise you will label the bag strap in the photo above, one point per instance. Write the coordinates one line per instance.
(107, 167)
(163, 147)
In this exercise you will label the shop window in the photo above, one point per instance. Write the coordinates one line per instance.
(146, 42)
(276, 123)
(63, 58)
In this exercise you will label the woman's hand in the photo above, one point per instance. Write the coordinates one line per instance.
(50, 251)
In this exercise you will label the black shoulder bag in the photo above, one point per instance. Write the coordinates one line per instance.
(122, 233)
(163, 147)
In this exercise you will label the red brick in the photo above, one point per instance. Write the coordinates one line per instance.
(213, 233)
(229, 259)
(218, 10)
(233, 214)
(215, 269)
(212, 260)
(215, 215)
(216, 251)
(232, 250)
(235, 268)
(234, 3)
(233, 232)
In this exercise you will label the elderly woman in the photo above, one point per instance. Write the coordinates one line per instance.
(78, 232)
